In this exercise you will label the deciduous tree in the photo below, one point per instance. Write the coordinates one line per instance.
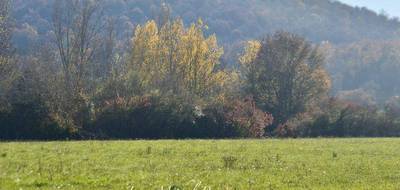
(77, 28)
(178, 60)
(6, 67)
(286, 76)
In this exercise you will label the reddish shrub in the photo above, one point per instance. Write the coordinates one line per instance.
(249, 119)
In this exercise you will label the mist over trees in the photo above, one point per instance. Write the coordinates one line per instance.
(234, 22)
(140, 69)
(368, 70)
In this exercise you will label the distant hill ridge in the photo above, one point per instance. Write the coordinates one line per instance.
(231, 20)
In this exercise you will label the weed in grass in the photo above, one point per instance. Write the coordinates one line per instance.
(175, 187)
(166, 151)
(334, 155)
(40, 167)
(148, 150)
(39, 184)
(229, 162)
(3, 155)
(257, 164)
(251, 183)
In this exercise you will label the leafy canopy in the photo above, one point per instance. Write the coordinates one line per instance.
(285, 74)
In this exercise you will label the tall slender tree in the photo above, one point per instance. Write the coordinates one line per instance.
(77, 26)
(6, 69)
(5, 28)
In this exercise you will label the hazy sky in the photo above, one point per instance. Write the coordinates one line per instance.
(392, 7)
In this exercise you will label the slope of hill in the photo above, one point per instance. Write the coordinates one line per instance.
(232, 20)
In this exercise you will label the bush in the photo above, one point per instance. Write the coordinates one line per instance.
(26, 115)
(343, 119)
(248, 119)
(29, 121)
(143, 117)
(160, 118)
(235, 119)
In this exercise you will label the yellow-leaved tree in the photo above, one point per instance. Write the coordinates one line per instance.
(172, 59)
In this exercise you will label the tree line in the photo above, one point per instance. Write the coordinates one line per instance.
(168, 81)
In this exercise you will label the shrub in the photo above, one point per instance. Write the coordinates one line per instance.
(295, 127)
(27, 115)
(29, 121)
(154, 118)
(237, 119)
(343, 119)
(248, 119)
(144, 117)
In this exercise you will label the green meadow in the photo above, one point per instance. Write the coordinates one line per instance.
(202, 164)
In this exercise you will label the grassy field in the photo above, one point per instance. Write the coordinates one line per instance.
(209, 164)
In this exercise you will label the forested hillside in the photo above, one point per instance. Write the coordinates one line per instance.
(233, 20)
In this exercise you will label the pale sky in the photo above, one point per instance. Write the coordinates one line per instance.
(392, 7)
